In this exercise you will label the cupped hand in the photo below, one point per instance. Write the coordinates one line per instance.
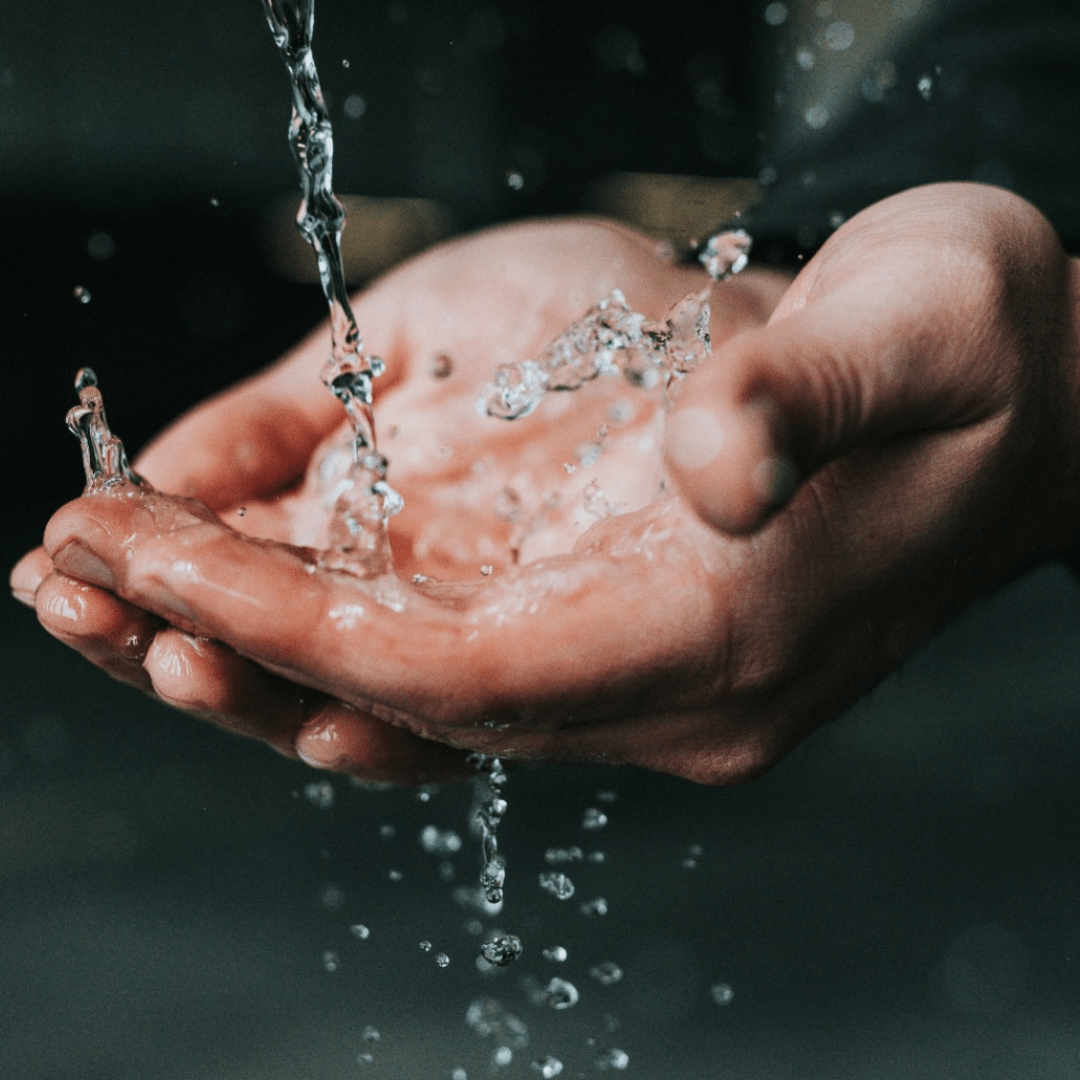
(915, 389)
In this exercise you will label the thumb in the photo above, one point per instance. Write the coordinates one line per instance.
(777, 403)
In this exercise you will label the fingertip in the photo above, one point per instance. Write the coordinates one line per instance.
(727, 464)
(28, 574)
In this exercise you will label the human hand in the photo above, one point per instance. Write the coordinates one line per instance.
(479, 492)
(920, 374)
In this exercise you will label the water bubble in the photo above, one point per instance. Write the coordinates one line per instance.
(437, 841)
(440, 366)
(423, 794)
(371, 1034)
(332, 898)
(502, 950)
(556, 954)
(354, 107)
(81, 294)
(100, 246)
(726, 253)
(425, 946)
(515, 180)
(559, 994)
(559, 885)
(549, 1067)
(359, 930)
(607, 973)
(593, 819)
(442, 960)
(839, 36)
(599, 906)
(320, 794)
(330, 960)
(502, 1057)
(613, 1059)
(560, 856)
(721, 993)
(776, 13)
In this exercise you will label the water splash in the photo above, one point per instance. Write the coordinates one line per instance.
(362, 500)
(104, 458)
(726, 253)
(609, 338)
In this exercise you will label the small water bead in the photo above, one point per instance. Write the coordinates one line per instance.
(364, 1059)
(330, 960)
(371, 1034)
(395, 875)
(556, 954)
(359, 930)
(559, 885)
(596, 857)
(925, 86)
(549, 1067)
(425, 946)
(440, 366)
(459, 1074)
(442, 960)
(721, 993)
(726, 254)
(501, 1057)
(593, 819)
(606, 973)
(241, 511)
(502, 950)
(487, 569)
(81, 294)
(437, 841)
(613, 1059)
(515, 181)
(560, 856)
(599, 906)
(387, 832)
(320, 794)
(559, 994)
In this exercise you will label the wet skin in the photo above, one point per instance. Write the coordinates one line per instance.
(872, 445)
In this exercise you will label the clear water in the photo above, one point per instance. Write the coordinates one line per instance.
(363, 500)
(104, 458)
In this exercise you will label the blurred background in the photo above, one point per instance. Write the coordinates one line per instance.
(897, 900)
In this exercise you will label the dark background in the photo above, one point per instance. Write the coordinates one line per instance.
(897, 900)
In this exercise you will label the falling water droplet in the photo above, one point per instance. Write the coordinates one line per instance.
(556, 954)
(330, 960)
(599, 906)
(81, 294)
(425, 946)
(359, 930)
(549, 1067)
(320, 794)
(721, 993)
(437, 841)
(560, 856)
(442, 960)
(593, 819)
(613, 1059)
(559, 994)
(502, 950)
(607, 973)
(559, 885)
(371, 1034)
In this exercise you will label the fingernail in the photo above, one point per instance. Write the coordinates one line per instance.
(774, 479)
(695, 437)
(80, 562)
(317, 744)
